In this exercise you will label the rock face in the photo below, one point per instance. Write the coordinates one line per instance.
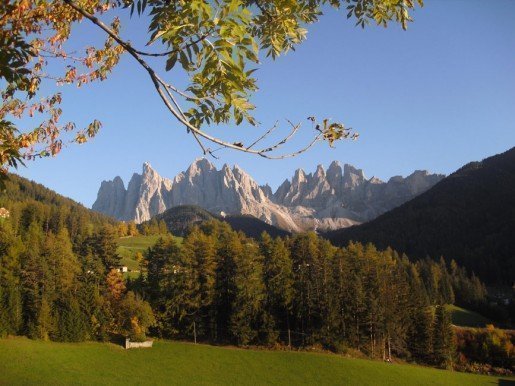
(336, 198)
(145, 196)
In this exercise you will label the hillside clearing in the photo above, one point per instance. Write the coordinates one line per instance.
(466, 318)
(128, 246)
(23, 361)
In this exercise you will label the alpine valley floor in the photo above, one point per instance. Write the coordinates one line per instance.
(24, 362)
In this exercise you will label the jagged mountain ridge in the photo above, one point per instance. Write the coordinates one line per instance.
(338, 198)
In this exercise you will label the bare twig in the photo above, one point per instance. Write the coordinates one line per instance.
(263, 136)
(295, 128)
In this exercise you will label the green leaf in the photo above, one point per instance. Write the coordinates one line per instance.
(170, 63)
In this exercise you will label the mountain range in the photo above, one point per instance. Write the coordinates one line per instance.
(326, 199)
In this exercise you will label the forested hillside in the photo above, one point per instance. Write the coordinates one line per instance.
(29, 202)
(469, 217)
(58, 277)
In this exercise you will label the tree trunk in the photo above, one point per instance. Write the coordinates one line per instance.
(389, 349)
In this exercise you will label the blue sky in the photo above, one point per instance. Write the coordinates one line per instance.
(434, 97)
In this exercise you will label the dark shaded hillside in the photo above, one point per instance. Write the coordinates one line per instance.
(180, 218)
(33, 202)
(469, 216)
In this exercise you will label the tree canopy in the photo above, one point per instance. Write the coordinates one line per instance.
(215, 44)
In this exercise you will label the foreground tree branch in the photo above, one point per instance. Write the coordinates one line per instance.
(172, 105)
(217, 44)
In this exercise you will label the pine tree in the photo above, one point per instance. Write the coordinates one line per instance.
(11, 311)
(160, 258)
(443, 338)
(163, 229)
(132, 230)
(162, 261)
(304, 252)
(247, 309)
(72, 323)
(45, 326)
(103, 244)
(34, 275)
(421, 335)
(278, 281)
(229, 247)
(446, 290)
(115, 285)
(190, 286)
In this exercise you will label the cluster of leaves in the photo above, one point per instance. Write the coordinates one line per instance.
(381, 12)
(332, 132)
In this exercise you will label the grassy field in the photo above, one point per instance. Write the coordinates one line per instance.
(465, 318)
(128, 246)
(23, 361)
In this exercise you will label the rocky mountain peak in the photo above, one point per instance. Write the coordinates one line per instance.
(238, 171)
(352, 177)
(335, 176)
(267, 189)
(147, 168)
(148, 173)
(334, 165)
(299, 177)
(111, 197)
(117, 181)
(320, 173)
(200, 165)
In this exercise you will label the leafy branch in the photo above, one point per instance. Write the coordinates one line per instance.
(164, 90)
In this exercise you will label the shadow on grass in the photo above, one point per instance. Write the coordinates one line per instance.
(467, 318)
(118, 340)
(506, 382)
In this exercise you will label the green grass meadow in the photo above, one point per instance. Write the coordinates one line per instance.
(27, 362)
(128, 246)
(466, 318)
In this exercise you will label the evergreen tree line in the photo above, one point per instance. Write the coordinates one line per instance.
(220, 286)
(153, 227)
(58, 276)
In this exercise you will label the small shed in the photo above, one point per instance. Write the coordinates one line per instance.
(123, 269)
